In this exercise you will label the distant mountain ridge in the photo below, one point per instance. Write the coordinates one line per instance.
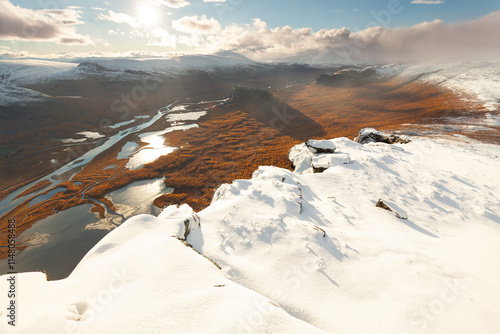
(478, 78)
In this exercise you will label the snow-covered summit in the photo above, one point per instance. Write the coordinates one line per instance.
(300, 252)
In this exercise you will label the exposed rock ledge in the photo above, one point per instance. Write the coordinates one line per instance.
(320, 146)
(317, 156)
(370, 135)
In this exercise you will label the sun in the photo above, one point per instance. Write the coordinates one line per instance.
(148, 15)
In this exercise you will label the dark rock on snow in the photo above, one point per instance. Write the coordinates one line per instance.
(368, 135)
(320, 146)
(398, 213)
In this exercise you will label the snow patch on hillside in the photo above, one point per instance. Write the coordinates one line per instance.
(12, 95)
(28, 71)
(478, 79)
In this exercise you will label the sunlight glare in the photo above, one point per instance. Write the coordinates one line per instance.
(148, 15)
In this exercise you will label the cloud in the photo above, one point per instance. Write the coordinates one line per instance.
(197, 25)
(176, 3)
(73, 40)
(420, 42)
(193, 41)
(8, 54)
(120, 18)
(163, 38)
(71, 56)
(53, 25)
(64, 16)
(428, 2)
(259, 24)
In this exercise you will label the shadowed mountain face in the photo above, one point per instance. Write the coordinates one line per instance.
(349, 78)
(262, 106)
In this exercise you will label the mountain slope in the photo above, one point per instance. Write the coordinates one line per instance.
(313, 243)
(474, 79)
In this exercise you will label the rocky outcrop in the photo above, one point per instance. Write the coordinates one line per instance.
(90, 67)
(399, 213)
(369, 135)
(320, 146)
(316, 156)
(182, 220)
(322, 162)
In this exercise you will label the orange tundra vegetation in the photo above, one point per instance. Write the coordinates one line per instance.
(38, 186)
(227, 145)
(4, 193)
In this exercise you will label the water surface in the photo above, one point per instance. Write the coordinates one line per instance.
(67, 242)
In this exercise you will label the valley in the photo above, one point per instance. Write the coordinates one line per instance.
(230, 136)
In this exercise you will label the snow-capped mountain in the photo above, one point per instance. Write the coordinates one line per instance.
(175, 64)
(29, 72)
(25, 72)
(32, 74)
(300, 252)
(479, 79)
(476, 79)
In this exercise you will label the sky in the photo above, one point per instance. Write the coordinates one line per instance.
(260, 29)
